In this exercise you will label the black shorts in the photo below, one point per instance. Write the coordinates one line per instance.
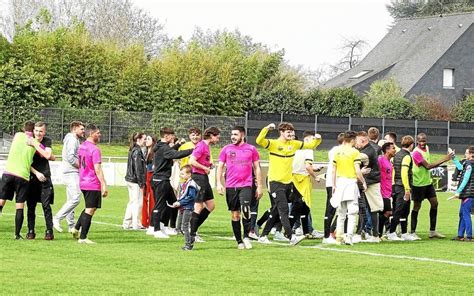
(93, 198)
(424, 192)
(42, 192)
(236, 197)
(387, 205)
(13, 186)
(286, 189)
(205, 190)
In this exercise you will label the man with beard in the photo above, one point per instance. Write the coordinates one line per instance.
(239, 159)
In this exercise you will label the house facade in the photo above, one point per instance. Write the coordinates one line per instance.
(431, 56)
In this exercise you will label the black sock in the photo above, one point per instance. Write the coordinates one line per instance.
(86, 225)
(382, 220)
(246, 224)
(194, 223)
(79, 220)
(237, 231)
(403, 225)
(263, 219)
(1, 209)
(19, 216)
(387, 223)
(203, 216)
(305, 224)
(433, 218)
(156, 220)
(253, 221)
(414, 220)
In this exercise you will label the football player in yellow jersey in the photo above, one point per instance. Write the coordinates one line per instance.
(281, 154)
(346, 172)
(194, 134)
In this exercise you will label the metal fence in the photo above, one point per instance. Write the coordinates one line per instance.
(441, 134)
(117, 126)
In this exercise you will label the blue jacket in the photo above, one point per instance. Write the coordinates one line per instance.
(188, 194)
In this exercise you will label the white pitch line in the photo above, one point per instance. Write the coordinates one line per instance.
(391, 256)
(403, 257)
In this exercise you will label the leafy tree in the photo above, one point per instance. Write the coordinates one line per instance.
(118, 21)
(336, 102)
(283, 93)
(385, 99)
(415, 8)
(464, 110)
(21, 90)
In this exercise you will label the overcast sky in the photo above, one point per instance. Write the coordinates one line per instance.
(310, 31)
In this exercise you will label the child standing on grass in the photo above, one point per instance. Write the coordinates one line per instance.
(187, 193)
(465, 192)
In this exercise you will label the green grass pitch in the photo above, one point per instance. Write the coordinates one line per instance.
(128, 262)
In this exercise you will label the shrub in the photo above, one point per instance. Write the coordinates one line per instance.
(430, 108)
(385, 99)
(337, 102)
(464, 110)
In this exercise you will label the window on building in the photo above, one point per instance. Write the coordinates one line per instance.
(448, 78)
(360, 74)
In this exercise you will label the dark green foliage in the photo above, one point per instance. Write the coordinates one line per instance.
(338, 102)
(385, 99)
(464, 110)
(416, 8)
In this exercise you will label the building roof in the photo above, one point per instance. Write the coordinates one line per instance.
(410, 48)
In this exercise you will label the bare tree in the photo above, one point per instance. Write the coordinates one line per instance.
(116, 20)
(353, 50)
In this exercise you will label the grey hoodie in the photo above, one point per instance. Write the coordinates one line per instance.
(69, 154)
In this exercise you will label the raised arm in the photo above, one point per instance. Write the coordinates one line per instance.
(313, 143)
(46, 153)
(261, 138)
(174, 154)
(421, 161)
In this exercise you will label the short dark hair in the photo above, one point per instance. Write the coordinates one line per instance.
(421, 135)
(90, 129)
(29, 126)
(392, 135)
(75, 124)
(166, 131)
(194, 130)
(470, 149)
(340, 138)
(308, 133)
(239, 128)
(349, 136)
(386, 146)
(284, 126)
(407, 141)
(211, 131)
(373, 133)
